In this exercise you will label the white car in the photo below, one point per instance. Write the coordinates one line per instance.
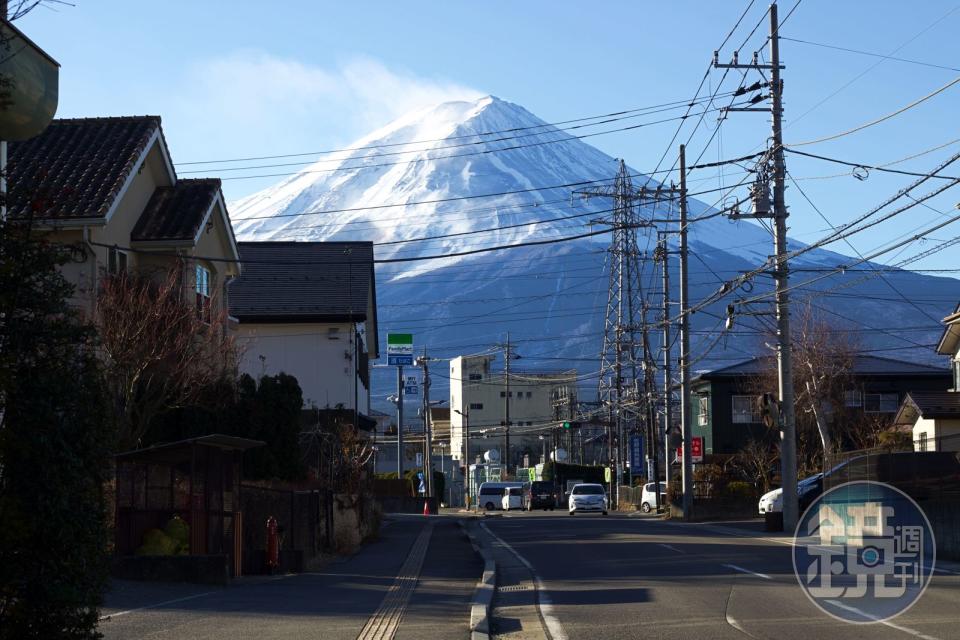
(648, 500)
(587, 497)
(512, 498)
(808, 490)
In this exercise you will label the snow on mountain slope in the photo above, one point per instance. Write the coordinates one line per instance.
(552, 295)
(454, 163)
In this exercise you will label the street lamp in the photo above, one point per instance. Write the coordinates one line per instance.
(466, 449)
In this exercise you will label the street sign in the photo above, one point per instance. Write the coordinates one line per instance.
(419, 459)
(636, 453)
(423, 487)
(696, 450)
(533, 474)
(400, 349)
(410, 386)
(606, 474)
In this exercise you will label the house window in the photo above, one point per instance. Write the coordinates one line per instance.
(476, 376)
(529, 394)
(202, 286)
(922, 442)
(116, 261)
(746, 409)
(881, 402)
(852, 398)
(503, 394)
(476, 405)
(703, 414)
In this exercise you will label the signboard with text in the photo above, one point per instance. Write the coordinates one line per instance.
(636, 454)
(399, 349)
(696, 450)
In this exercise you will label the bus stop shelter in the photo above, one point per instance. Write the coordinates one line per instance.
(197, 479)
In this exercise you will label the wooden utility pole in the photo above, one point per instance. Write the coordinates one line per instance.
(507, 355)
(667, 365)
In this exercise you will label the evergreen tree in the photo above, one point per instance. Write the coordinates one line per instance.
(55, 442)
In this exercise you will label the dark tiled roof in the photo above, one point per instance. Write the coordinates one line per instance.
(303, 282)
(76, 167)
(176, 213)
(862, 366)
(935, 404)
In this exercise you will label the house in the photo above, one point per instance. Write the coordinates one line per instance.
(538, 401)
(106, 189)
(726, 411)
(309, 309)
(934, 418)
(440, 430)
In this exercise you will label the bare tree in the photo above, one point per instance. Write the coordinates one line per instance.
(755, 461)
(160, 351)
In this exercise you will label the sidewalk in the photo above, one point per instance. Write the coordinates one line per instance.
(438, 570)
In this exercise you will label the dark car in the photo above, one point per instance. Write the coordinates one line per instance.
(541, 495)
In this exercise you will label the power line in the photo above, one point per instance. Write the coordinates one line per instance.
(870, 53)
(676, 104)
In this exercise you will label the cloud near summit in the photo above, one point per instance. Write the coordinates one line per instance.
(279, 102)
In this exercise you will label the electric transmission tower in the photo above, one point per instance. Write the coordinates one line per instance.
(621, 389)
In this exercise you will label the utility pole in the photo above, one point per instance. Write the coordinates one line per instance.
(400, 421)
(427, 431)
(506, 408)
(649, 383)
(788, 435)
(685, 414)
(667, 374)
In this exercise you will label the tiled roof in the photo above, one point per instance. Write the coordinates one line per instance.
(176, 213)
(76, 167)
(935, 404)
(862, 366)
(303, 282)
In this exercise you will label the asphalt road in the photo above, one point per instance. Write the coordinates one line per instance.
(340, 602)
(627, 577)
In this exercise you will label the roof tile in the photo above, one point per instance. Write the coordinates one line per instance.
(176, 213)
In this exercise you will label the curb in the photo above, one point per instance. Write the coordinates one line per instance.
(483, 593)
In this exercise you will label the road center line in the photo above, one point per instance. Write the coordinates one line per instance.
(544, 603)
(869, 616)
(671, 547)
(753, 573)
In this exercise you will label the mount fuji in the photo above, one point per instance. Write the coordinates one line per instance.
(476, 174)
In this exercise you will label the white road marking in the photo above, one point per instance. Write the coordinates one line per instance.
(671, 547)
(544, 603)
(953, 573)
(154, 606)
(753, 573)
(869, 616)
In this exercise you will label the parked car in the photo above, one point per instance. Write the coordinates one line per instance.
(808, 490)
(919, 474)
(512, 498)
(648, 499)
(587, 497)
(541, 494)
(490, 495)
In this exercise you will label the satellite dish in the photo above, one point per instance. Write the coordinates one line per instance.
(492, 455)
(559, 455)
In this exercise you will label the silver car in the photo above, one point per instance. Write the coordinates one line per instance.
(587, 497)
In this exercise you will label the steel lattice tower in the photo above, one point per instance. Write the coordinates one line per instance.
(620, 386)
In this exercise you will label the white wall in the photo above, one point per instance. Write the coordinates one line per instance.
(322, 365)
(532, 401)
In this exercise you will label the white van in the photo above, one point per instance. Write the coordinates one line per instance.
(490, 495)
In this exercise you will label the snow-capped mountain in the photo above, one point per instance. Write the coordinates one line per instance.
(551, 297)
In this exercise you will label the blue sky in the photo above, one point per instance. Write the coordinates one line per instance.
(234, 79)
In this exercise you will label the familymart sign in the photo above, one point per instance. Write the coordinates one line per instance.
(399, 349)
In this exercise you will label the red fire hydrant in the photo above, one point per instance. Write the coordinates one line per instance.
(273, 545)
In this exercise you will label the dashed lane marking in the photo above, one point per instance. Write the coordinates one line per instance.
(742, 570)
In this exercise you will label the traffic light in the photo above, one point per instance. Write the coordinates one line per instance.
(571, 425)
